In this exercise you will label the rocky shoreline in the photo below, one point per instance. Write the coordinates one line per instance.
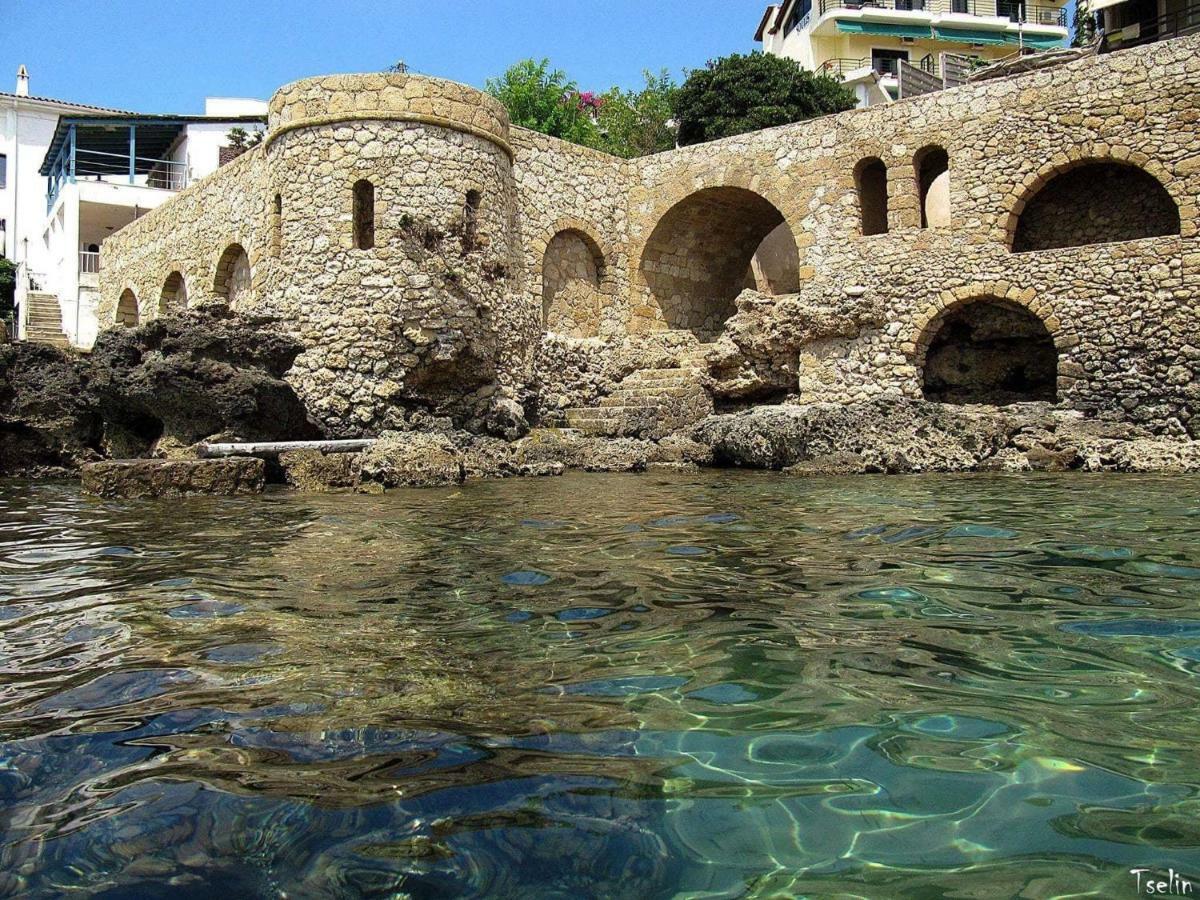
(156, 392)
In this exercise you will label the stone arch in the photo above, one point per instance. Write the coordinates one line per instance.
(871, 188)
(1089, 198)
(698, 257)
(173, 298)
(127, 309)
(232, 281)
(931, 171)
(573, 272)
(989, 343)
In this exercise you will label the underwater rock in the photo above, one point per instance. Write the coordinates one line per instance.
(130, 478)
(411, 459)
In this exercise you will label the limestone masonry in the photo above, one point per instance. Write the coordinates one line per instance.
(1030, 238)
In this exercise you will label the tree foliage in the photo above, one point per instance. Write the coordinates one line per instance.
(638, 123)
(545, 100)
(737, 94)
(1083, 26)
(8, 282)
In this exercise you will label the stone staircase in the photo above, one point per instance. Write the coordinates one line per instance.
(43, 323)
(649, 403)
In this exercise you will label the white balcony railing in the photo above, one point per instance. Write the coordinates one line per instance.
(89, 262)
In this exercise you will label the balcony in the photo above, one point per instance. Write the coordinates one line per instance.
(1014, 11)
(1177, 23)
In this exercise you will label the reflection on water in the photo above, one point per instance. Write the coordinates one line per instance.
(624, 686)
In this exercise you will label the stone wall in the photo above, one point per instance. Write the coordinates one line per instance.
(572, 260)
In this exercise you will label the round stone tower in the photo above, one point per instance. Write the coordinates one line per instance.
(393, 247)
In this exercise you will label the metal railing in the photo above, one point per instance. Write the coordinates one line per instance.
(1013, 10)
(115, 168)
(1174, 24)
(89, 262)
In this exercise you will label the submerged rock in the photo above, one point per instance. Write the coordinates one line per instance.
(317, 472)
(130, 478)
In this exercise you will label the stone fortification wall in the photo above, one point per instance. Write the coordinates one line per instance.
(501, 260)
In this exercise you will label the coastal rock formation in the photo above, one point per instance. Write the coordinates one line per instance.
(196, 375)
(135, 478)
(894, 435)
(49, 416)
(410, 459)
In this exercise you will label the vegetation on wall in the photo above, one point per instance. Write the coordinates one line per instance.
(1083, 26)
(8, 283)
(638, 123)
(546, 100)
(737, 94)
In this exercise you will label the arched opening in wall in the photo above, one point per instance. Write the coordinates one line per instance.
(127, 309)
(232, 282)
(364, 215)
(174, 295)
(931, 166)
(775, 268)
(470, 220)
(870, 181)
(988, 351)
(572, 272)
(698, 256)
(277, 224)
(1095, 202)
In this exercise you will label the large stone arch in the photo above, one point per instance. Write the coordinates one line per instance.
(1078, 182)
(698, 256)
(1008, 332)
(232, 275)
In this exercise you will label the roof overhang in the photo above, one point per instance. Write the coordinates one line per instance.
(764, 21)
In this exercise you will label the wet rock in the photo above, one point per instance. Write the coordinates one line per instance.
(130, 478)
(838, 463)
(317, 472)
(411, 459)
(615, 455)
(1143, 455)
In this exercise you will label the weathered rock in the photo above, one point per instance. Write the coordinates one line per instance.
(49, 420)
(317, 472)
(410, 459)
(615, 455)
(130, 478)
(194, 375)
(899, 435)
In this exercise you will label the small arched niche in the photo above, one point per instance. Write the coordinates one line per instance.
(232, 281)
(870, 182)
(1095, 202)
(988, 351)
(364, 215)
(173, 298)
(572, 273)
(931, 167)
(127, 309)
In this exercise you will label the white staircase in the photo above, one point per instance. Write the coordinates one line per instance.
(43, 320)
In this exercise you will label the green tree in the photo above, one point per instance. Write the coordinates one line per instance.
(739, 93)
(638, 123)
(8, 283)
(1083, 26)
(544, 100)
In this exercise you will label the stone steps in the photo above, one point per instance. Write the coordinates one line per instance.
(43, 320)
(647, 403)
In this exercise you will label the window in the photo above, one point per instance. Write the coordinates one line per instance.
(3, 171)
(932, 169)
(870, 177)
(364, 215)
(471, 220)
(799, 15)
(277, 224)
(887, 62)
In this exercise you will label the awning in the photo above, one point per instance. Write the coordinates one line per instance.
(970, 36)
(910, 31)
(1036, 41)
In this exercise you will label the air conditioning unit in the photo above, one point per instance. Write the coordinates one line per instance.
(908, 40)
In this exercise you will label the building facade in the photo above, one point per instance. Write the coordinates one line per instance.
(1028, 238)
(73, 175)
(864, 42)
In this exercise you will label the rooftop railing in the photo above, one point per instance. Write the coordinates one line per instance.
(1013, 10)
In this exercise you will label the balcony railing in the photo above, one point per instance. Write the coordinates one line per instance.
(89, 262)
(1013, 10)
(1174, 24)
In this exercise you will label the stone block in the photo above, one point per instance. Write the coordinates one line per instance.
(136, 478)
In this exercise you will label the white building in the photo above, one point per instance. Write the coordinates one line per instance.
(71, 175)
(864, 42)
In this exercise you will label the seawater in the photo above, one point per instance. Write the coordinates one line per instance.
(711, 685)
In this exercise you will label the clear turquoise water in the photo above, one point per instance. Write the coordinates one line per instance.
(715, 685)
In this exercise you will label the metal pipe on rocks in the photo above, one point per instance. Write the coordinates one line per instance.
(274, 448)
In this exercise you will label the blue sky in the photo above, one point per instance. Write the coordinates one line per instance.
(167, 56)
